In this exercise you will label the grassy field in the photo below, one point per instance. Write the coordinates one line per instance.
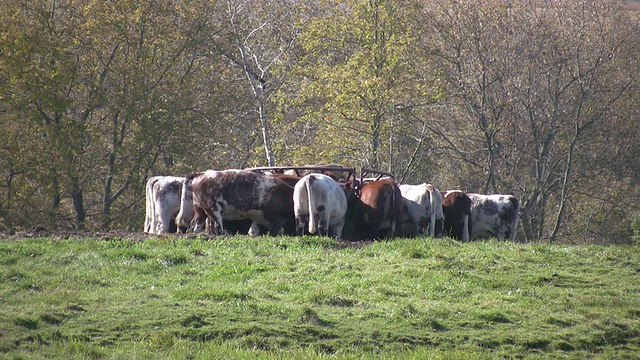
(311, 298)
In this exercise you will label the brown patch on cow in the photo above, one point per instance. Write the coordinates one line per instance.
(382, 200)
(290, 180)
(455, 205)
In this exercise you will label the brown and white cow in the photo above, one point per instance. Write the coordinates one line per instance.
(456, 207)
(430, 201)
(163, 195)
(240, 194)
(383, 207)
(494, 216)
(242, 226)
(320, 205)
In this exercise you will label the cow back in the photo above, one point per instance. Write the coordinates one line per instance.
(289, 179)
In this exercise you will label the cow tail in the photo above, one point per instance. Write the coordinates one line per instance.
(396, 208)
(150, 218)
(313, 221)
(439, 210)
(465, 228)
(397, 217)
(182, 219)
(432, 216)
(147, 219)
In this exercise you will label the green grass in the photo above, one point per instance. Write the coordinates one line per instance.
(307, 298)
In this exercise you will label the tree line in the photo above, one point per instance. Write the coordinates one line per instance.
(538, 100)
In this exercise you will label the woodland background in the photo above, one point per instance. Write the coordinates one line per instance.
(539, 99)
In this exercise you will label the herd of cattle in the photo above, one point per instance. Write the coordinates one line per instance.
(328, 201)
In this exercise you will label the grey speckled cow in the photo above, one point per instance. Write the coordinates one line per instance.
(494, 216)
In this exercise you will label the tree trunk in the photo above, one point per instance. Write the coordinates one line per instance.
(375, 142)
(266, 138)
(78, 203)
(106, 196)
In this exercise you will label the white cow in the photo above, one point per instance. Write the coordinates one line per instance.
(162, 203)
(430, 199)
(320, 203)
(494, 216)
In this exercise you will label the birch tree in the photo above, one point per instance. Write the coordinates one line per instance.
(260, 35)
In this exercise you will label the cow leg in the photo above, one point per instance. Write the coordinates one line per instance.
(301, 223)
(337, 229)
(275, 222)
(173, 226)
(254, 230)
(199, 219)
(323, 226)
(424, 225)
(396, 220)
(507, 235)
(275, 228)
(215, 215)
(391, 233)
(165, 222)
(432, 224)
(418, 225)
(439, 228)
(373, 233)
(209, 225)
(456, 232)
(204, 220)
